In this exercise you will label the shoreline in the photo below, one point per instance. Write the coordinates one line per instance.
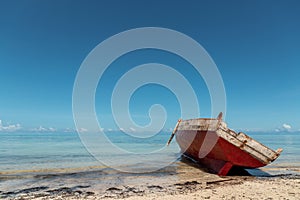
(183, 180)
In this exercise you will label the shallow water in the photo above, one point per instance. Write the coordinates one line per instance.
(33, 152)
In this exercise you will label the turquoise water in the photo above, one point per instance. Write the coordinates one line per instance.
(47, 151)
(51, 151)
(29, 151)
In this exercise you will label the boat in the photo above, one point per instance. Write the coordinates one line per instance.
(211, 143)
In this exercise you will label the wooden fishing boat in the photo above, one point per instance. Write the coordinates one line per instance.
(211, 143)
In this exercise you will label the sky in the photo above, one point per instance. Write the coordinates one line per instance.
(255, 45)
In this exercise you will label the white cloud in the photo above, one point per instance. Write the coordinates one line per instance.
(132, 129)
(43, 129)
(286, 126)
(82, 130)
(9, 127)
(13, 127)
(52, 129)
(122, 129)
(68, 130)
(39, 129)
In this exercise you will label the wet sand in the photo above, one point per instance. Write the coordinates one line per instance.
(183, 180)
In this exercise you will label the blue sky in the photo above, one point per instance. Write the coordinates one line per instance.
(255, 44)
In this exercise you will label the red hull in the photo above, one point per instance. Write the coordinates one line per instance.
(222, 157)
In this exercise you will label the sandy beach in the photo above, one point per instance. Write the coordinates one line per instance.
(235, 188)
(180, 181)
(270, 188)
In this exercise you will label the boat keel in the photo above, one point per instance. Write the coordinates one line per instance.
(225, 169)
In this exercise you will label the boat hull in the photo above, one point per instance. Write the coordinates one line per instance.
(211, 143)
